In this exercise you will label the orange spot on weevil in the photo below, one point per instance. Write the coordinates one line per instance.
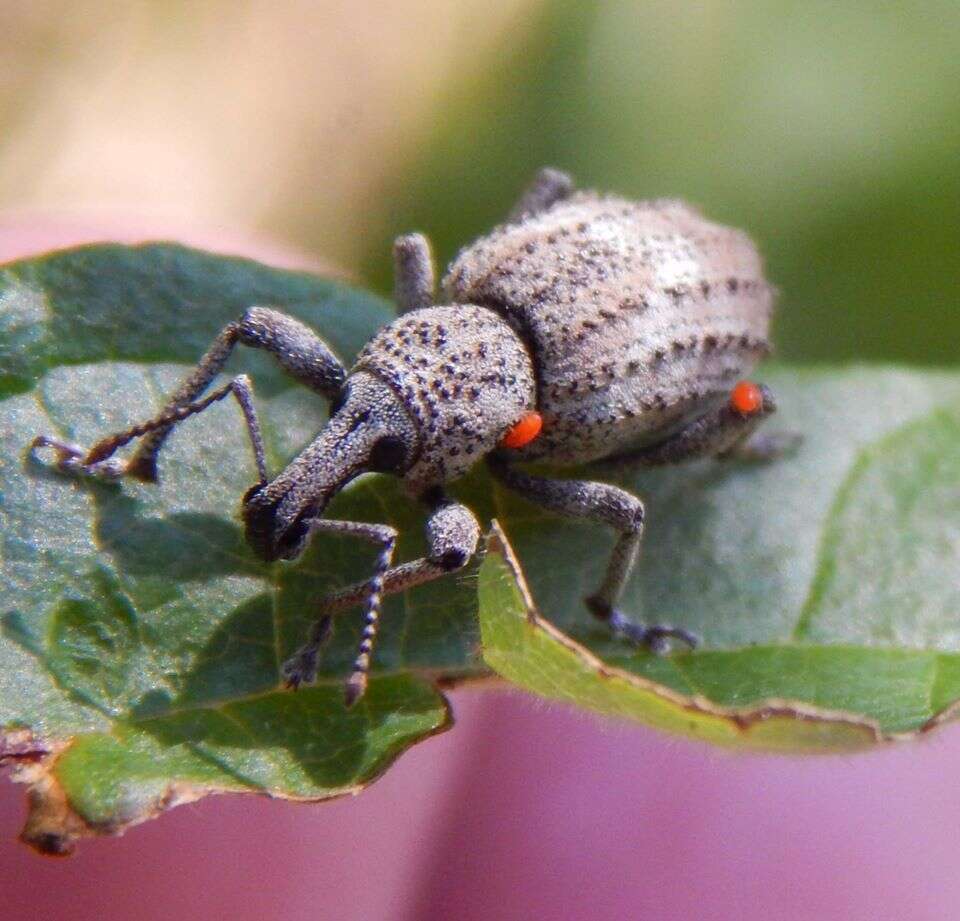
(746, 398)
(523, 432)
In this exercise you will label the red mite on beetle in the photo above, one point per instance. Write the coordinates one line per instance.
(585, 327)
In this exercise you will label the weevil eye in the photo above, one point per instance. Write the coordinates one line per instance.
(388, 455)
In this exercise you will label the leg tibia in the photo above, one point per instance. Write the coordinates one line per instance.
(99, 462)
(413, 281)
(608, 505)
(549, 187)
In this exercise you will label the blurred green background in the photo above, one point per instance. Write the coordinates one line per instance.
(829, 130)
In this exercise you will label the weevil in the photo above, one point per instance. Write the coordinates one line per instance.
(586, 327)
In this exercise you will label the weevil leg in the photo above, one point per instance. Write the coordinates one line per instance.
(302, 666)
(548, 187)
(297, 349)
(98, 461)
(452, 537)
(414, 284)
(763, 447)
(611, 506)
(723, 432)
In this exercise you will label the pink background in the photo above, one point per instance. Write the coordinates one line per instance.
(525, 810)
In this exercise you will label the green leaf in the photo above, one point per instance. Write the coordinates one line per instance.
(824, 585)
(141, 639)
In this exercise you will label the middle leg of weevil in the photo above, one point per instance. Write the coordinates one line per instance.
(414, 285)
(452, 537)
(296, 348)
(616, 508)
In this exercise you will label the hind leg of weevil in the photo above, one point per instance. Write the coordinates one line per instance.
(622, 511)
(414, 282)
(297, 349)
(452, 537)
(548, 187)
(724, 432)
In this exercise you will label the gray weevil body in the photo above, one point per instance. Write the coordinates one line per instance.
(638, 316)
(585, 327)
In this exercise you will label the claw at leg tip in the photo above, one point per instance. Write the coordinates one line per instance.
(143, 470)
(355, 688)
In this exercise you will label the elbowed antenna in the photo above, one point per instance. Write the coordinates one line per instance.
(371, 431)
(280, 514)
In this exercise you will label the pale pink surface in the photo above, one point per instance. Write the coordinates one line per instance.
(527, 810)
(531, 811)
(26, 233)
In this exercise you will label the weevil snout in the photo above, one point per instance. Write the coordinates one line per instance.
(270, 537)
(370, 432)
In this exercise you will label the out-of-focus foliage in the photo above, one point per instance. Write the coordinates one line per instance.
(211, 115)
(830, 131)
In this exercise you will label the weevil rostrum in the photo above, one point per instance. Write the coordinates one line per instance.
(585, 327)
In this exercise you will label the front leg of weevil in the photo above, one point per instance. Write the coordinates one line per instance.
(452, 537)
(297, 349)
(611, 506)
(302, 667)
(372, 430)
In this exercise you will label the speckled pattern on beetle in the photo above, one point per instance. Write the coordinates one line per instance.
(585, 327)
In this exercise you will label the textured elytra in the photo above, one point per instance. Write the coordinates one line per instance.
(638, 315)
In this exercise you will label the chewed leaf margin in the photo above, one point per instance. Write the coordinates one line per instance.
(103, 783)
(526, 649)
